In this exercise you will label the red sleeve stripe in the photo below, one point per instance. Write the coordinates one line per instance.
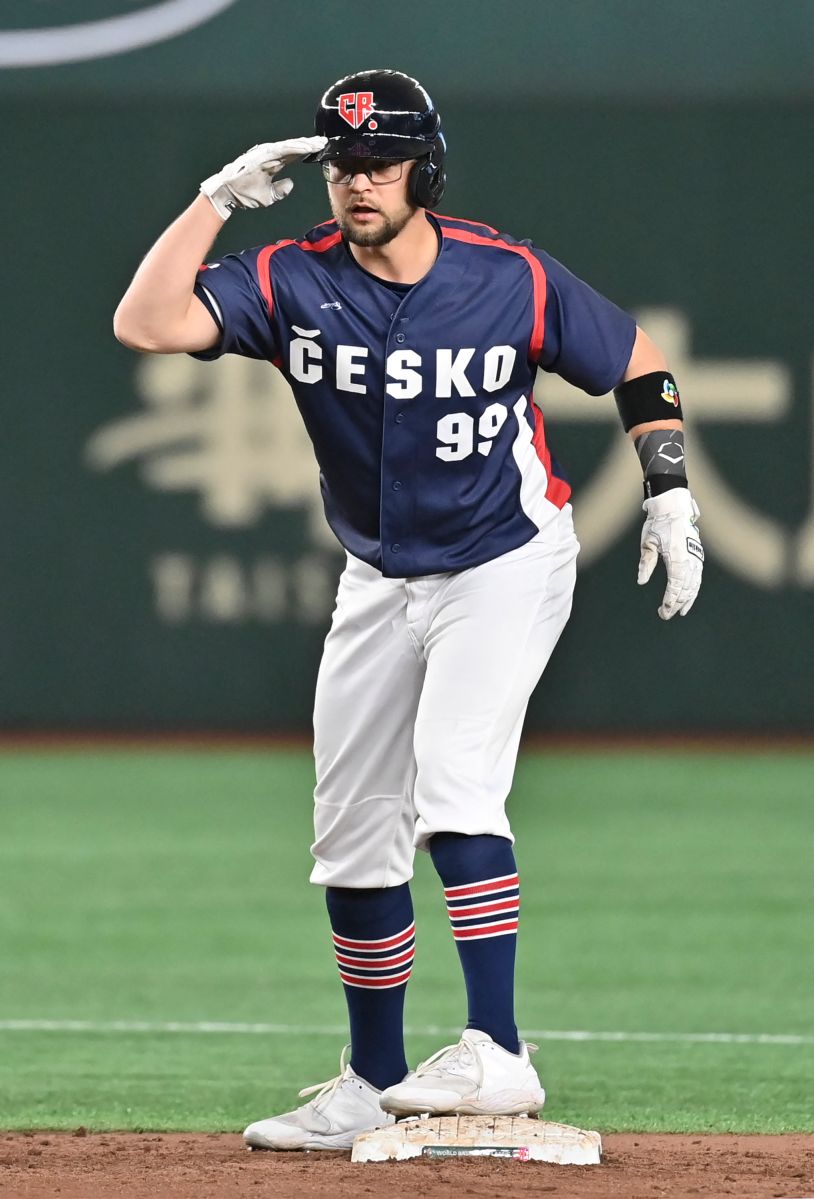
(538, 279)
(264, 260)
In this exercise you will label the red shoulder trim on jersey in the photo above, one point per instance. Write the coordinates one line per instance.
(264, 260)
(330, 223)
(264, 270)
(462, 220)
(324, 243)
(538, 279)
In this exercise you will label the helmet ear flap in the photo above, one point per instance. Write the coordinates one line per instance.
(428, 178)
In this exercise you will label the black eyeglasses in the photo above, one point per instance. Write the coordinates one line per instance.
(341, 171)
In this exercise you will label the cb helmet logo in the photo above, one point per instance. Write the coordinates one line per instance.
(355, 107)
(401, 123)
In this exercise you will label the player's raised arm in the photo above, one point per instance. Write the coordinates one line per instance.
(159, 311)
(650, 408)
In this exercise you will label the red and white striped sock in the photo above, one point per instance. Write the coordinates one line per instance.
(482, 893)
(385, 962)
(489, 908)
(374, 943)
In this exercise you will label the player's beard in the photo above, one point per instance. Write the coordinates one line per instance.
(390, 227)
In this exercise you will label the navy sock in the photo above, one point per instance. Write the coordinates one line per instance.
(374, 940)
(482, 893)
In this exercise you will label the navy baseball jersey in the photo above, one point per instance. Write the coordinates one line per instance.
(418, 399)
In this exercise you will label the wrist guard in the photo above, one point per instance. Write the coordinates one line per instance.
(661, 453)
(650, 397)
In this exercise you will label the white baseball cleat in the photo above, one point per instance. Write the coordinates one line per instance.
(339, 1111)
(476, 1077)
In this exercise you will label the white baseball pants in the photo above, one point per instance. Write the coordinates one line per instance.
(420, 701)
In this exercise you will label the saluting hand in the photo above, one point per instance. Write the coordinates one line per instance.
(249, 181)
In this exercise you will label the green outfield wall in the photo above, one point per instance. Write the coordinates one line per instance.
(164, 559)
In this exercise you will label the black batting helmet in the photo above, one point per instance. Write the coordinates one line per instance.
(384, 114)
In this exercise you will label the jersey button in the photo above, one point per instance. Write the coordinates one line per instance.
(400, 338)
(397, 486)
(395, 547)
(399, 417)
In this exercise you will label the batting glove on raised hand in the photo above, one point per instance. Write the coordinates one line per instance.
(670, 532)
(249, 181)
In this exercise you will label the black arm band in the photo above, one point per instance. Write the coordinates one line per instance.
(650, 397)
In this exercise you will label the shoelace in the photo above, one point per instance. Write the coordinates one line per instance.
(324, 1090)
(458, 1054)
(452, 1055)
(449, 1055)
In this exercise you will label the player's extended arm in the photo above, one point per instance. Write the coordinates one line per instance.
(159, 311)
(670, 529)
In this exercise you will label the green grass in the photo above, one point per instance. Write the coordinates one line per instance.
(661, 893)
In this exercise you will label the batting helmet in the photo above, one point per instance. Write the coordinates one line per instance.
(385, 114)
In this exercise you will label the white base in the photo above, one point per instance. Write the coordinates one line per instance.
(516, 1137)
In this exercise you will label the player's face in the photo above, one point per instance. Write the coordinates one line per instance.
(368, 213)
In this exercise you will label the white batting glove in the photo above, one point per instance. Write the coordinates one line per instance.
(670, 532)
(249, 182)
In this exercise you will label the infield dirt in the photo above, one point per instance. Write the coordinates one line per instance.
(216, 1166)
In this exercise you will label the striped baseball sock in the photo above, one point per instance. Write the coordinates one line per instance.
(374, 941)
(482, 893)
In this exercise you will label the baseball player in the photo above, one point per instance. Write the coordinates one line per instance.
(411, 342)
